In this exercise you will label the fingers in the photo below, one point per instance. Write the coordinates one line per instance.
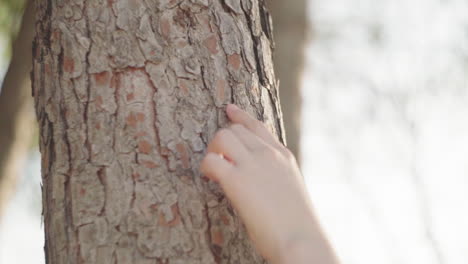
(215, 167)
(248, 138)
(236, 115)
(223, 172)
(228, 144)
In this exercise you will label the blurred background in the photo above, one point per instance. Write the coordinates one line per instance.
(375, 99)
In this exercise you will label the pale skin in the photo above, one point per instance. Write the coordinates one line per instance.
(262, 180)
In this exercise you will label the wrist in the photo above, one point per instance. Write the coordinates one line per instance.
(292, 249)
(307, 247)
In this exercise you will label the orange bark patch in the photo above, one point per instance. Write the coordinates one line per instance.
(212, 44)
(140, 117)
(234, 60)
(149, 164)
(184, 157)
(186, 179)
(68, 64)
(38, 49)
(56, 34)
(99, 101)
(130, 96)
(255, 90)
(144, 147)
(113, 81)
(182, 44)
(183, 87)
(102, 78)
(165, 28)
(165, 151)
(98, 125)
(173, 222)
(131, 120)
(220, 89)
(154, 207)
(224, 219)
(172, 2)
(205, 21)
(136, 176)
(217, 237)
(141, 134)
(47, 69)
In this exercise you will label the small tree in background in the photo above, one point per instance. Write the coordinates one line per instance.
(17, 124)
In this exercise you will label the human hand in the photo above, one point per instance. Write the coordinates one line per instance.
(263, 181)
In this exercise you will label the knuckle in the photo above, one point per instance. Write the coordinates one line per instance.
(222, 134)
(236, 127)
(267, 152)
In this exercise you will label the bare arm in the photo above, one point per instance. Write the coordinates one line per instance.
(261, 178)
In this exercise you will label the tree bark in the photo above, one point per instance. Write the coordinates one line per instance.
(16, 111)
(128, 93)
(290, 31)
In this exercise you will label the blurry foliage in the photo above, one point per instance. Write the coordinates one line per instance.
(10, 20)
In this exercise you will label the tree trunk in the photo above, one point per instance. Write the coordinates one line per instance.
(290, 31)
(16, 111)
(128, 94)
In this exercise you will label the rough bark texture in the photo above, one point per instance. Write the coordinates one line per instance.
(290, 31)
(128, 93)
(16, 111)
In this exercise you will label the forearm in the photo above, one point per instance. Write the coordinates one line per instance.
(307, 247)
(307, 252)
